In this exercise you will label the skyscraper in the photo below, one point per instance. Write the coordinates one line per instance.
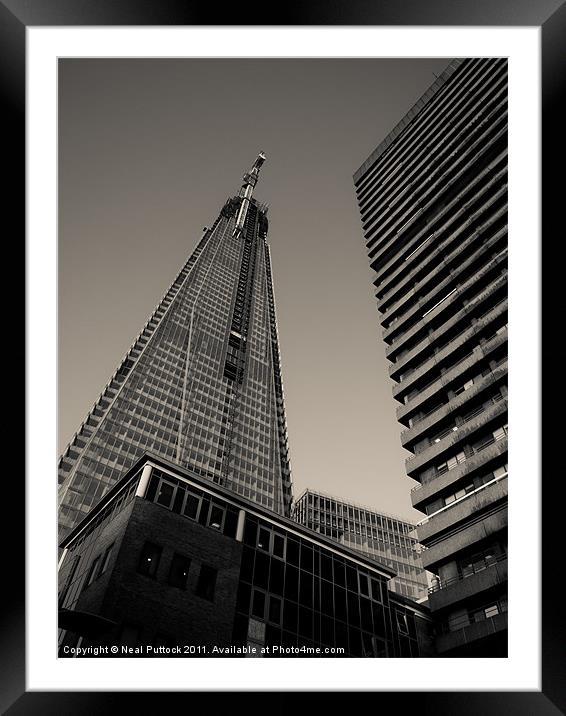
(385, 538)
(201, 383)
(433, 203)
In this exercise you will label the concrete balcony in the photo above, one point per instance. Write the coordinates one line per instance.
(410, 435)
(424, 493)
(472, 632)
(412, 289)
(453, 440)
(449, 218)
(463, 509)
(446, 378)
(482, 527)
(464, 589)
(460, 294)
(440, 288)
(446, 286)
(427, 345)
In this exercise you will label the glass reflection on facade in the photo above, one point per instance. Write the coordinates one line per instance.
(385, 538)
(201, 384)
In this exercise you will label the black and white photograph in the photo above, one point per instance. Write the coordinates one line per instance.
(283, 324)
(183, 529)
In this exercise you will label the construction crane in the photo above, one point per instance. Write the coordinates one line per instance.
(250, 180)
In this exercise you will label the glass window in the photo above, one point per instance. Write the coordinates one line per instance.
(165, 494)
(258, 604)
(364, 584)
(216, 517)
(375, 590)
(402, 624)
(206, 582)
(279, 545)
(491, 611)
(106, 559)
(274, 609)
(149, 559)
(263, 539)
(179, 572)
(192, 504)
(93, 569)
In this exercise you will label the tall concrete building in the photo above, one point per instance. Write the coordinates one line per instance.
(433, 203)
(201, 383)
(385, 538)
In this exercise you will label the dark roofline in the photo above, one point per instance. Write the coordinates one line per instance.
(230, 496)
(407, 119)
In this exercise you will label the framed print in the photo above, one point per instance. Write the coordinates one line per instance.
(176, 489)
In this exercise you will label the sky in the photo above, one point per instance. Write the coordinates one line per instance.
(149, 150)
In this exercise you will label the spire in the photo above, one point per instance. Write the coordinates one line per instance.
(246, 191)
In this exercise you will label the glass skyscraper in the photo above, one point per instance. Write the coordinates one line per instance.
(201, 383)
(385, 538)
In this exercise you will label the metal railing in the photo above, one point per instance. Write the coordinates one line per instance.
(460, 499)
(443, 583)
(475, 452)
(489, 611)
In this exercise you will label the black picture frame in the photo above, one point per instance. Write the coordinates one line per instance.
(550, 16)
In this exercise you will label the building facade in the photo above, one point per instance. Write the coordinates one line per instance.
(170, 564)
(385, 538)
(201, 384)
(433, 203)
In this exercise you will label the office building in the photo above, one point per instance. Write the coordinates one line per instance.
(169, 563)
(384, 538)
(201, 383)
(433, 203)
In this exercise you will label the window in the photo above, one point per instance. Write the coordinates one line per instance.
(274, 614)
(376, 590)
(216, 517)
(179, 572)
(364, 584)
(263, 539)
(92, 572)
(165, 493)
(258, 604)
(467, 385)
(192, 505)
(206, 582)
(279, 546)
(500, 433)
(149, 559)
(106, 559)
(402, 624)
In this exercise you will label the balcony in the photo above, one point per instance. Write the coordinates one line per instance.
(379, 245)
(471, 632)
(425, 492)
(443, 254)
(398, 279)
(462, 588)
(438, 341)
(463, 509)
(483, 253)
(455, 437)
(459, 295)
(453, 372)
(466, 536)
(427, 422)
